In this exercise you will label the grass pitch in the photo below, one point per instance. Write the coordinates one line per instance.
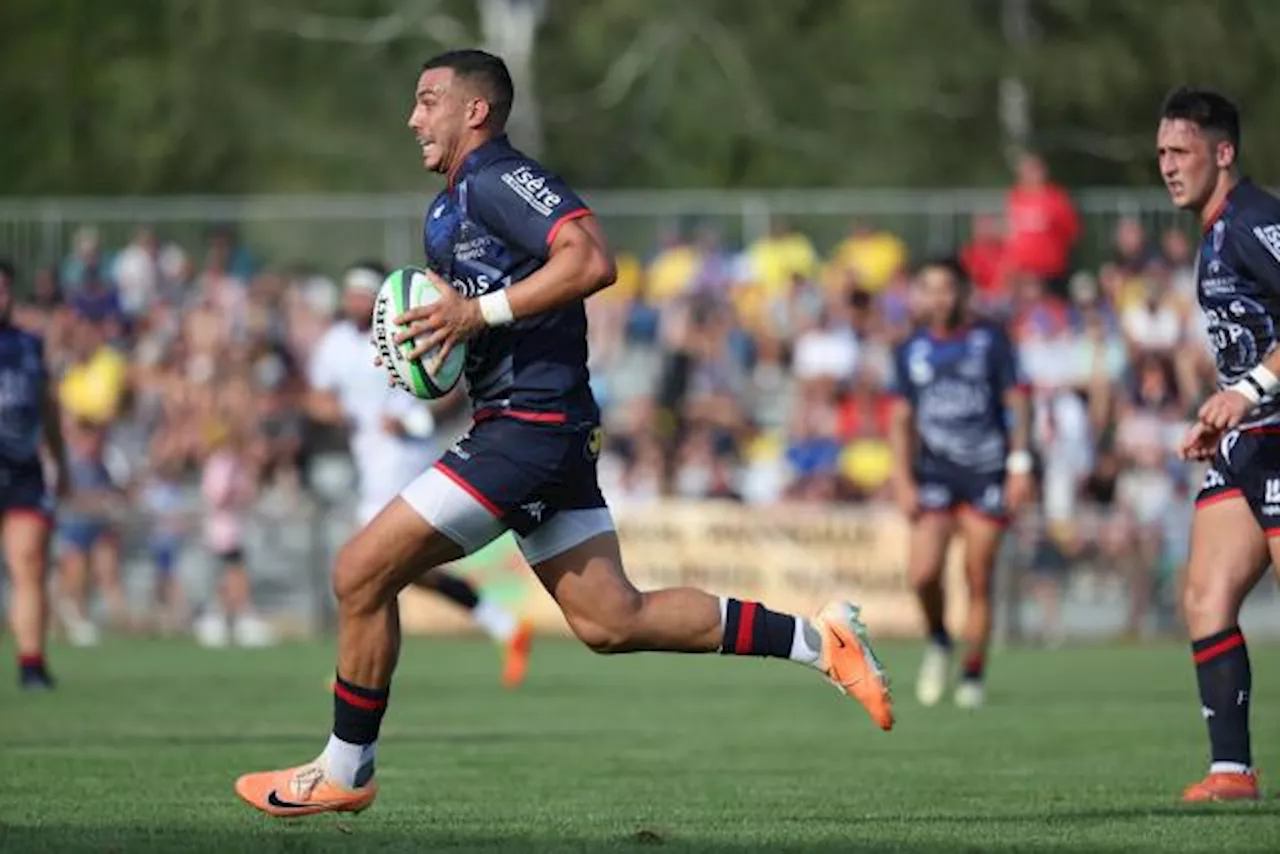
(1079, 750)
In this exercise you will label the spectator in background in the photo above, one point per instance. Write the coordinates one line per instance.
(95, 381)
(672, 269)
(1149, 425)
(86, 253)
(1177, 254)
(88, 537)
(229, 484)
(97, 302)
(871, 256)
(1042, 226)
(780, 257)
(983, 258)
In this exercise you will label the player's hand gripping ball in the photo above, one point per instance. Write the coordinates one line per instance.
(423, 363)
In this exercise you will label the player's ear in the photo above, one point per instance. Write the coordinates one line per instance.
(477, 112)
(1225, 154)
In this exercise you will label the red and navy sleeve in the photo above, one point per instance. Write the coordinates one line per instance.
(524, 204)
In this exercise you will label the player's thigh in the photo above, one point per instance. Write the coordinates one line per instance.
(384, 556)
(25, 535)
(928, 541)
(1228, 555)
(982, 535)
(576, 557)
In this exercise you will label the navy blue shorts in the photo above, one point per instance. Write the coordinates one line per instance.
(82, 534)
(22, 491)
(983, 493)
(534, 478)
(1247, 465)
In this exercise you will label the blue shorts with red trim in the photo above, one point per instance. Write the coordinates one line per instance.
(1247, 466)
(980, 492)
(22, 491)
(527, 467)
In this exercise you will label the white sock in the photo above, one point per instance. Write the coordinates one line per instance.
(724, 618)
(806, 644)
(343, 760)
(498, 622)
(1229, 768)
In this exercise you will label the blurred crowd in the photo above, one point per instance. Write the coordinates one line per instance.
(748, 373)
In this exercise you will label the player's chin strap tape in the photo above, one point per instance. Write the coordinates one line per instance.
(1256, 384)
(495, 308)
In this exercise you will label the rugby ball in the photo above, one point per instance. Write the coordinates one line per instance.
(406, 288)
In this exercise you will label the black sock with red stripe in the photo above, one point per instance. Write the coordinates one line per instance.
(32, 670)
(357, 711)
(752, 629)
(974, 666)
(1222, 670)
(456, 590)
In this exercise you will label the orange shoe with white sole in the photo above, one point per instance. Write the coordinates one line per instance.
(304, 790)
(1223, 787)
(516, 657)
(850, 664)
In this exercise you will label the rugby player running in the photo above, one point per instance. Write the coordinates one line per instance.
(29, 418)
(1235, 531)
(961, 465)
(521, 253)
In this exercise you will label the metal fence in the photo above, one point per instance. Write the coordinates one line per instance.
(326, 232)
(290, 546)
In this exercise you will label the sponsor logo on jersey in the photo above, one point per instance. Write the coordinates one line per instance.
(532, 187)
(1269, 237)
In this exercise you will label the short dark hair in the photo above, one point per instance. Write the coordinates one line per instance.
(488, 72)
(1209, 110)
(951, 264)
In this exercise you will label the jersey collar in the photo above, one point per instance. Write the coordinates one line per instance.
(486, 153)
(1223, 205)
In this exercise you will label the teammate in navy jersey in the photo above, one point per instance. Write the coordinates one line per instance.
(959, 435)
(521, 252)
(28, 418)
(1235, 531)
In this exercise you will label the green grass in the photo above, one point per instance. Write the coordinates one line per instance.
(1082, 750)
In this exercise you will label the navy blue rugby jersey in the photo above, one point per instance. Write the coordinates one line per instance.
(956, 387)
(492, 227)
(1238, 285)
(23, 379)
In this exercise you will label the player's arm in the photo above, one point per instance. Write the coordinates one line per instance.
(539, 215)
(1016, 396)
(325, 407)
(902, 437)
(54, 443)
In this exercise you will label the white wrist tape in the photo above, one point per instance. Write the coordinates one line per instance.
(1257, 384)
(495, 308)
(1020, 462)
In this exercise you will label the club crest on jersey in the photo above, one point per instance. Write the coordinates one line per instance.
(1219, 234)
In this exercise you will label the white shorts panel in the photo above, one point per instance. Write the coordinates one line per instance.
(452, 511)
(563, 531)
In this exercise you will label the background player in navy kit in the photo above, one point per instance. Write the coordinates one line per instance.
(28, 417)
(514, 235)
(955, 450)
(1235, 531)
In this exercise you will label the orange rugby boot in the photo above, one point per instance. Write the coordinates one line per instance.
(849, 662)
(304, 790)
(1223, 787)
(516, 656)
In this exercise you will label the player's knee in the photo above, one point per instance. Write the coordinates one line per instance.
(1205, 603)
(355, 579)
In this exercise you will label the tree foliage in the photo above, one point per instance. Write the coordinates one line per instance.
(178, 96)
